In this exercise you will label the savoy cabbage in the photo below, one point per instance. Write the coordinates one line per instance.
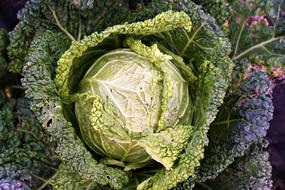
(133, 95)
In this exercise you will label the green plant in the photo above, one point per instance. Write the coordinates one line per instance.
(130, 97)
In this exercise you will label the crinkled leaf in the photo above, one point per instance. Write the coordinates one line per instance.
(24, 153)
(221, 10)
(236, 128)
(74, 19)
(66, 179)
(251, 171)
(165, 146)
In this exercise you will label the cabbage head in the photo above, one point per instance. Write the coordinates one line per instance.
(129, 105)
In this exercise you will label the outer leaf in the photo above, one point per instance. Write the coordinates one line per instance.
(24, 154)
(252, 171)
(166, 145)
(66, 179)
(221, 10)
(236, 128)
(47, 105)
(213, 46)
(74, 18)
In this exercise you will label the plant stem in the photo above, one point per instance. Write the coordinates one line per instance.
(257, 46)
(191, 39)
(225, 122)
(60, 26)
